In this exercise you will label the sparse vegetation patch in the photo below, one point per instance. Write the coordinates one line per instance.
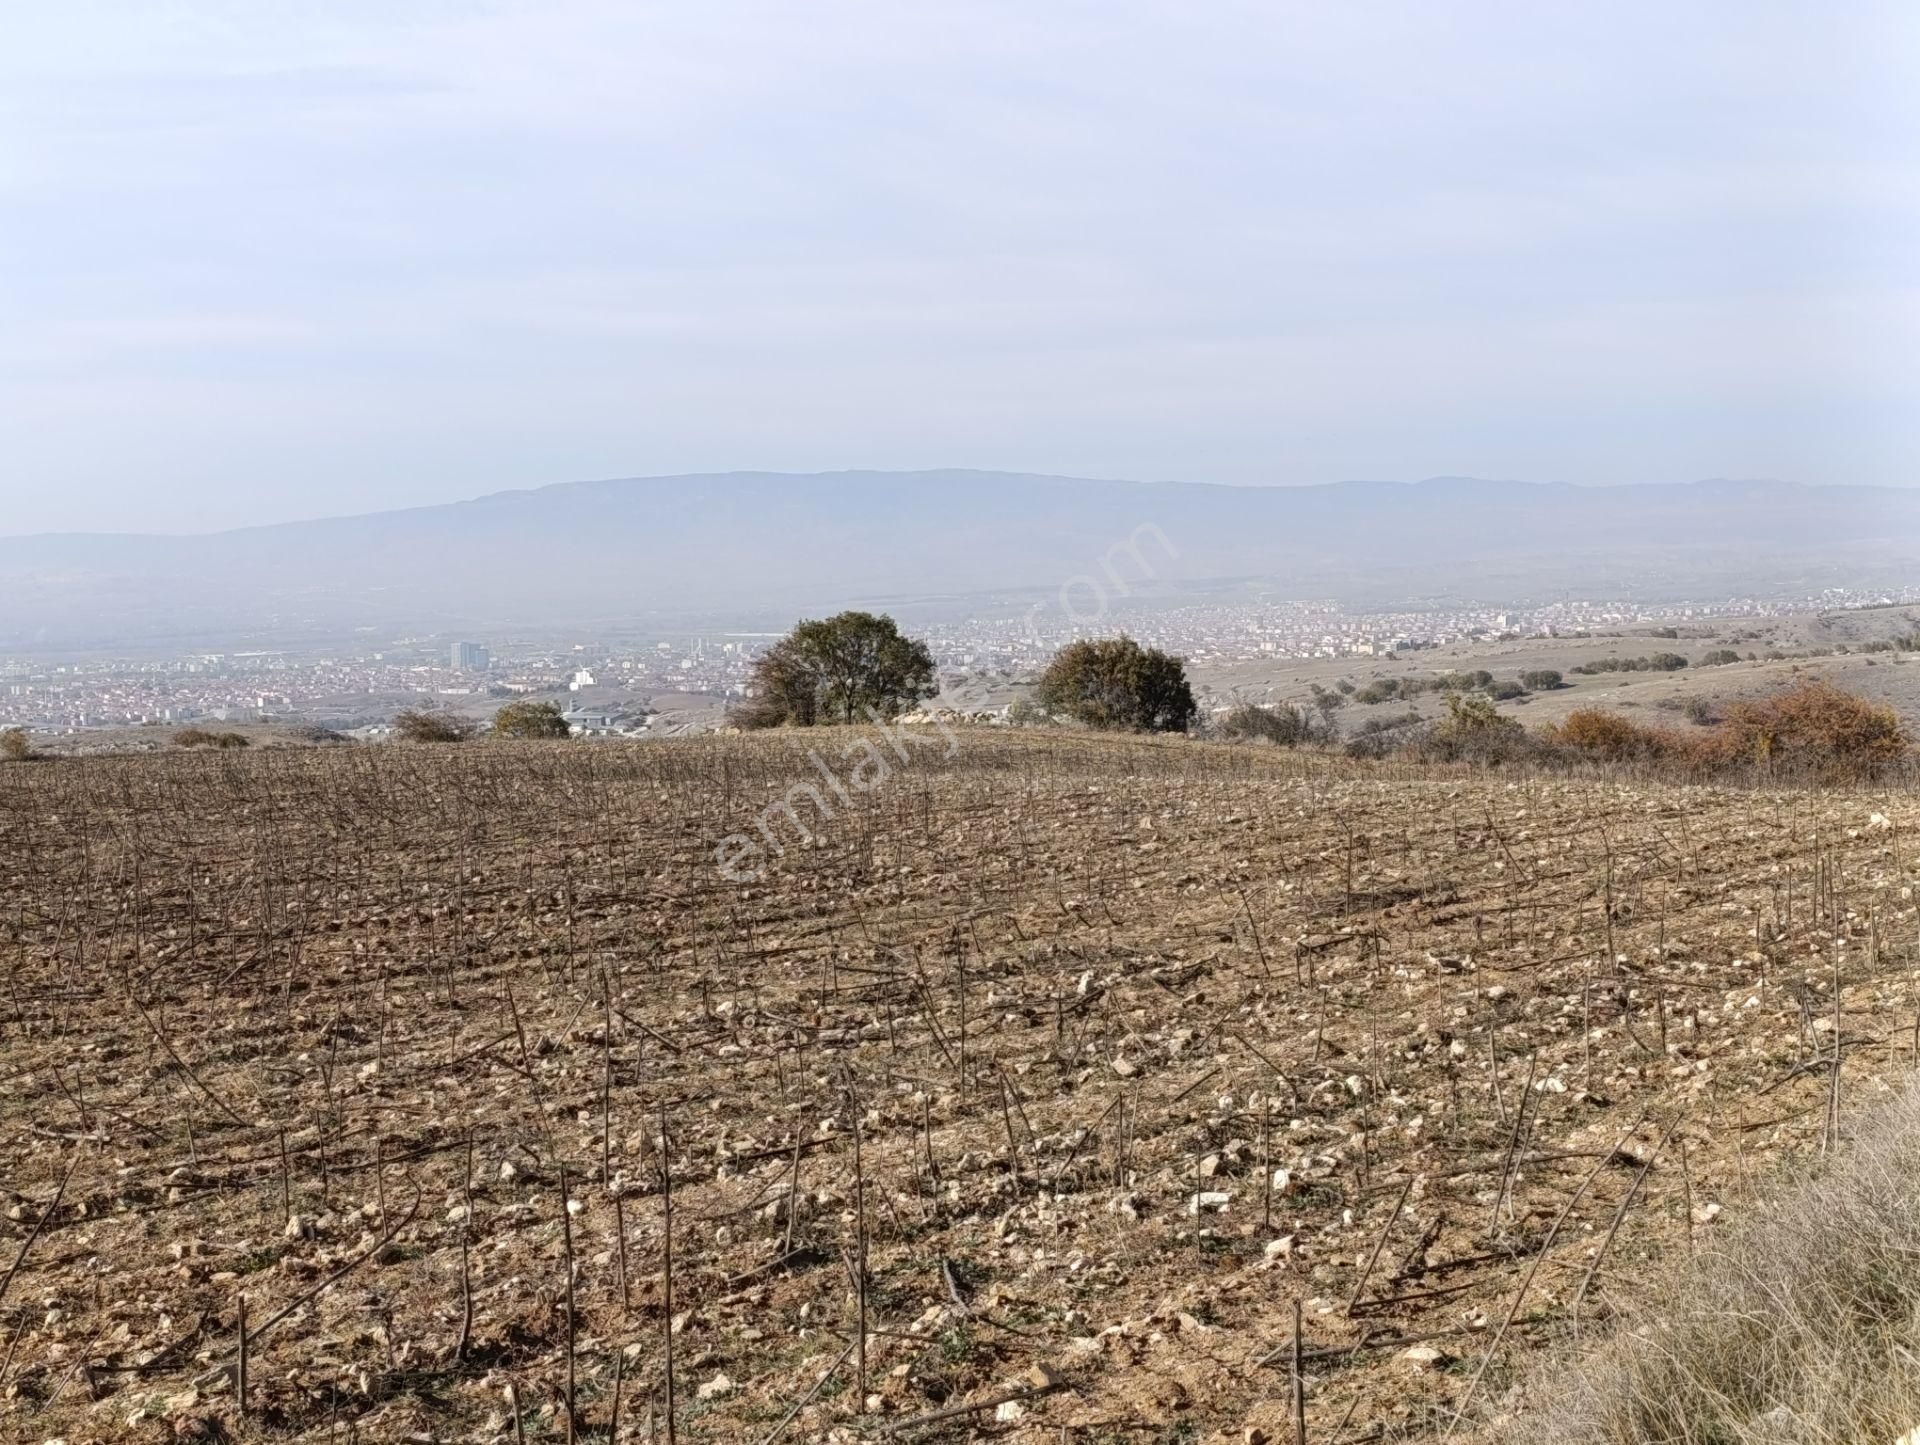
(204, 738)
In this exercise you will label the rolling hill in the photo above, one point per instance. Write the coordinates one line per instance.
(589, 552)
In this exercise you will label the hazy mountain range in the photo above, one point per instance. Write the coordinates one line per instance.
(743, 543)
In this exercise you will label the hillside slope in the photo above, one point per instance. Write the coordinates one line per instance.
(625, 550)
(1106, 1053)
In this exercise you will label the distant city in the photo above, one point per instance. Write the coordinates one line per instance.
(657, 685)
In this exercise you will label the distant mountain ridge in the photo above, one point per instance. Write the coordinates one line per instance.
(589, 553)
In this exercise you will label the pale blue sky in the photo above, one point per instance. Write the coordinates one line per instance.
(264, 259)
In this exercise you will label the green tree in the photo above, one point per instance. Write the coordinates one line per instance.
(531, 720)
(1117, 683)
(841, 669)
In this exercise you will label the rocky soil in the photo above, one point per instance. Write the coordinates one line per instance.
(1034, 1098)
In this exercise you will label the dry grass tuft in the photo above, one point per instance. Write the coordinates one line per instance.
(1803, 1327)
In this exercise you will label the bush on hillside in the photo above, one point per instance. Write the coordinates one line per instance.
(1815, 733)
(1816, 730)
(1382, 689)
(1475, 731)
(1655, 662)
(320, 734)
(202, 738)
(430, 725)
(1390, 689)
(1377, 737)
(1327, 702)
(1282, 724)
(1474, 716)
(531, 720)
(1023, 712)
(15, 745)
(1595, 733)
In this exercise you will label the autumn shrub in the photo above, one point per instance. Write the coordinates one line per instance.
(1593, 732)
(15, 746)
(1815, 730)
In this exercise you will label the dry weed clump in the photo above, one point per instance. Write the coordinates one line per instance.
(1037, 1092)
(1802, 1326)
(1281, 724)
(431, 725)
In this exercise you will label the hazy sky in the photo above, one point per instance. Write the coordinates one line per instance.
(263, 259)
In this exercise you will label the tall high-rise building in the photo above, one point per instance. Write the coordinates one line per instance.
(470, 657)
